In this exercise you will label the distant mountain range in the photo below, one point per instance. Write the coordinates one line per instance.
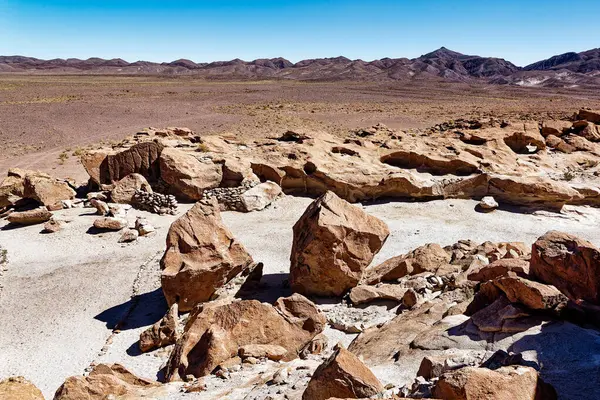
(565, 70)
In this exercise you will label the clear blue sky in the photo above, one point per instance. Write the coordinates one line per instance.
(521, 31)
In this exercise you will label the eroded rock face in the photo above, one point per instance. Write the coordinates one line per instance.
(506, 383)
(106, 381)
(124, 190)
(533, 295)
(187, 176)
(141, 158)
(334, 242)
(343, 375)
(214, 334)
(499, 268)
(163, 332)
(569, 263)
(19, 388)
(202, 255)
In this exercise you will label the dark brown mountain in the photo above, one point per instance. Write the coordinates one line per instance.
(566, 70)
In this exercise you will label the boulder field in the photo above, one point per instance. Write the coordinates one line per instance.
(469, 320)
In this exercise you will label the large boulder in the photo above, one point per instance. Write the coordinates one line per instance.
(214, 334)
(141, 158)
(525, 142)
(260, 196)
(427, 258)
(343, 375)
(533, 190)
(125, 189)
(107, 381)
(30, 217)
(187, 176)
(533, 295)
(334, 242)
(505, 383)
(202, 255)
(19, 388)
(499, 268)
(569, 263)
(45, 189)
(11, 190)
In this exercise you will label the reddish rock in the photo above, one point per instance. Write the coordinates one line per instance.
(163, 332)
(343, 375)
(569, 263)
(30, 217)
(334, 242)
(19, 388)
(500, 268)
(124, 189)
(202, 255)
(533, 295)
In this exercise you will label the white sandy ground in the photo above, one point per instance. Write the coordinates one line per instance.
(63, 293)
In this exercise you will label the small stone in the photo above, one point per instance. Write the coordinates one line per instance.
(488, 203)
(128, 235)
(52, 226)
(110, 223)
(101, 206)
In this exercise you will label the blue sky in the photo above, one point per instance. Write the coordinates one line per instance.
(519, 31)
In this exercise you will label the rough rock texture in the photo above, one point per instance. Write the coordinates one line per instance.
(525, 142)
(124, 190)
(106, 381)
(500, 268)
(533, 295)
(30, 217)
(334, 242)
(506, 383)
(214, 334)
(260, 196)
(366, 293)
(187, 176)
(202, 255)
(342, 375)
(272, 352)
(111, 223)
(19, 388)
(33, 185)
(163, 332)
(569, 263)
(429, 258)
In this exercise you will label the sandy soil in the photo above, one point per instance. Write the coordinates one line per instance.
(61, 303)
(42, 117)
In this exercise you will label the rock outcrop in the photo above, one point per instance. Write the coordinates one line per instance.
(125, 189)
(36, 186)
(334, 242)
(343, 375)
(19, 388)
(214, 334)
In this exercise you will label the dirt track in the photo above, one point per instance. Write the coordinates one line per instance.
(44, 116)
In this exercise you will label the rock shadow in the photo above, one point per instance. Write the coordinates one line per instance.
(140, 311)
(267, 290)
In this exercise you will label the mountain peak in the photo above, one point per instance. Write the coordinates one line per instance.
(443, 52)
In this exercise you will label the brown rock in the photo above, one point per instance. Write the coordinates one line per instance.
(202, 255)
(106, 381)
(215, 334)
(187, 176)
(559, 144)
(52, 226)
(141, 158)
(46, 190)
(342, 375)
(500, 268)
(29, 217)
(366, 294)
(506, 383)
(531, 191)
(163, 332)
(533, 295)
(101, 206)
(434, 164)
(589, 115)
(520, 142)
(11, 190)
(494, 317)
(315, 346)
(333, 243)
(110, 223)
(556, 128)
(19, 388)
(427, 258)
(272, 352)
(125, 188)
(569, 263)
(260, 196)
(128, 235)
(96, 165)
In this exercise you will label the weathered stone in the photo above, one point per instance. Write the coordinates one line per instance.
(128, 235)
(111, 223)
(427, 258)
(272, 352)
(525, 142)
(506, 383)
(494, 317)
(107, 381)
(556, 128)
(488, 203)
(333, 243)
(187, 176)
(533, 295)
(365, 293)
(46, 190)
(163, 332)
(342, 375)
(589, 115)
(141, 158)
(569, 263)
(125, 189)
(202, 255)
(260, 196)
(214, 334)
(531, 191)
(316, 346)
(19, 388)
(52, 226)
(30, 217)
(500, 268)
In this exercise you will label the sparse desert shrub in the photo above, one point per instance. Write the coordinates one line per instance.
(62, 157)
(203, 148)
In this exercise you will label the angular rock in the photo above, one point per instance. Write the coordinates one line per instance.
(52, 226)
(506, 383)
(202, 255)
(272, 352)
(589, 115)
(163, 332)
(569, 263)
(128, 235)
(531, 191)
(101, 207)
(111, 223)
(488, 203)
(143, 226)
(494, 317)
(11, 190)
(187, 176)
(559, 144)
(316, 346)
(343, 375)
(19, 388)
(46, 190)
(107, 381)
(124, 189)
(500, 268)
(427, 258)
(556, 128)
(533, 295)
(215, 334)
(366, 294)
(260, 196)
(333, 243)
(29, 217)
(141, 158)
(525, 142)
